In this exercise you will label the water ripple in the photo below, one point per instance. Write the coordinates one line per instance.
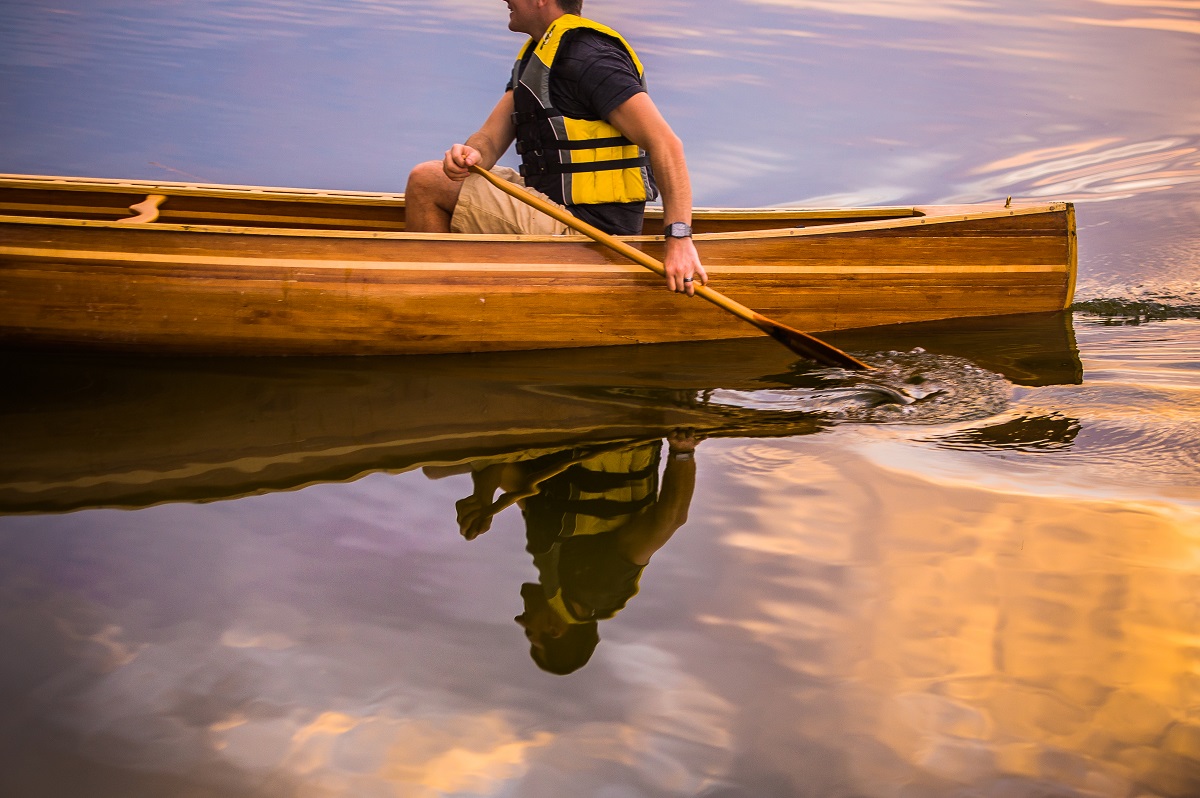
(39, 34)
(913, 387)
(1133, 424)
(1136, 311)
(1096, 169)
(1023, 433)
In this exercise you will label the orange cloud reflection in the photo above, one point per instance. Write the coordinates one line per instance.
(1172, 24)
(1021, 630)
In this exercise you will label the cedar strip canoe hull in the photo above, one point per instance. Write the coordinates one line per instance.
(224, 290)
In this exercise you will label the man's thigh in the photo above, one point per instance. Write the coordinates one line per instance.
(483, 208)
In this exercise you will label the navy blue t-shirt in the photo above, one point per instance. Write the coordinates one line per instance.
(592, 76)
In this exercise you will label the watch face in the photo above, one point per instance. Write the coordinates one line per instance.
(678, 230)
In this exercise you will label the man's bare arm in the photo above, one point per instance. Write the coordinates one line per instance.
(639, 120)
(650, 530)
(485, 146)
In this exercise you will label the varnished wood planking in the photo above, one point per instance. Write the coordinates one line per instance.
(233, 290)
(758, 249)
(1072, 257)
(299, 315)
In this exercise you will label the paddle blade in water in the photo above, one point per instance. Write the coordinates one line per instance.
(806, 346)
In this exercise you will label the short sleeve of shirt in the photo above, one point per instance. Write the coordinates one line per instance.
(525, 60)
(592, 76)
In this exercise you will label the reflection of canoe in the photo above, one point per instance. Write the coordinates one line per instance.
(86, 431)
(226, 270)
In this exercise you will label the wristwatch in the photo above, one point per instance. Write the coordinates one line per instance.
(677, 230)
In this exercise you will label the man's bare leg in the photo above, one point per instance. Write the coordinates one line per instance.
(429, 199)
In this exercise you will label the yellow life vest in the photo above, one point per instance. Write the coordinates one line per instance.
(573, 161)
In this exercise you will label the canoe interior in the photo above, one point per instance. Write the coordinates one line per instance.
(51, 197)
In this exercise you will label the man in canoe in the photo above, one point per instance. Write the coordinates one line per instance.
(590, 138)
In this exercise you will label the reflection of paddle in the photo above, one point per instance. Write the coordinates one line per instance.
(802, 344)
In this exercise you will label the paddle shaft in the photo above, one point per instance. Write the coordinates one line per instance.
(799, 342)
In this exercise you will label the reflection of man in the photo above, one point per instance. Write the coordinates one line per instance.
(590, 139)
(593, 519)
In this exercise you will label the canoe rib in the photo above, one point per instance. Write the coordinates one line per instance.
(167, 286)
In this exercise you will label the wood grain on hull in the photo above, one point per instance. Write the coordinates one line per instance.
(181, 288)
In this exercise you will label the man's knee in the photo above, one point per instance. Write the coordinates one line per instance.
(429, 187)
(427, 177)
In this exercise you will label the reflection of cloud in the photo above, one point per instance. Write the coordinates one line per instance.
(1094, 169)
(867, 197)
(981, 11)
(31, 34)
(1019, 633)
(187, 705)
(1173, 24)
(1177, 4)
(1043, 154)
(892, 182)
(115, 652)
(919, 10)
(725, 167)
(679, 735)
(355, 754)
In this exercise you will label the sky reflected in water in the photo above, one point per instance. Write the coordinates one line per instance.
(249, 579)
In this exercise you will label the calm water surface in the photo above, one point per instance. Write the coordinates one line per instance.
(975, 574)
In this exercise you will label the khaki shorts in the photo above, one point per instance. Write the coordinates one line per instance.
(483, 208)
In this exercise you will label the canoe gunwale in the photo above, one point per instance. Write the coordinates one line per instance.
(383, 199)
(216, 190)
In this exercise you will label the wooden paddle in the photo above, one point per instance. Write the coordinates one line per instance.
(801, 343)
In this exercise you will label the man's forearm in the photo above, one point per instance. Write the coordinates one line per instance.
(496, 135)
(681, 260)
(489, 150)
(674, 184)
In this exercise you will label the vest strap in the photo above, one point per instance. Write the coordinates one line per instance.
(600, 508)
(529, 117)
(581, 144)
(545, 168)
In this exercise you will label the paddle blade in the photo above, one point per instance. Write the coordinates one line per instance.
(806, 346)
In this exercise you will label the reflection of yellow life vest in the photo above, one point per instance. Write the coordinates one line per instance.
(573, 161)
(597, 495)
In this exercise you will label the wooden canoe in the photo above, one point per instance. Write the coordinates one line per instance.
(235, 270)
(86, 431)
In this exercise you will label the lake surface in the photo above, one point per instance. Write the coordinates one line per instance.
(221, 577)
